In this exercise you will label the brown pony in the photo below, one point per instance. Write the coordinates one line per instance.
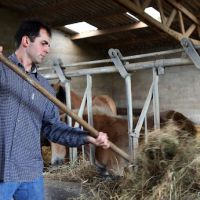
(101, 101)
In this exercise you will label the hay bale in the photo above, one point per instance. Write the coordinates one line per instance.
(160, 149)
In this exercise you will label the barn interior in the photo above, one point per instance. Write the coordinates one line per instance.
(178, 87)
(144, 41)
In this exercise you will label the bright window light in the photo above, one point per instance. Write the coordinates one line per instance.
(81, 27)
(132, 16)
(153, 13)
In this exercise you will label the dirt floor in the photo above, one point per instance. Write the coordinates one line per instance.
(60, 190)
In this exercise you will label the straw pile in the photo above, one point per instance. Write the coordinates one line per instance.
(168, 168)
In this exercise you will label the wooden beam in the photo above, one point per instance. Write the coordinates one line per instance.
(190, 30)
(108, 31)
(171, 18)
(184, 10)
(181, 22)
(152, 22)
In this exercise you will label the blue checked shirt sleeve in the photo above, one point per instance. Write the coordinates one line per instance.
(59, 132)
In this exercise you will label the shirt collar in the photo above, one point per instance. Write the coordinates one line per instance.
(14, 59)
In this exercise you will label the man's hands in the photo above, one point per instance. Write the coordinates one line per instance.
(101, 140)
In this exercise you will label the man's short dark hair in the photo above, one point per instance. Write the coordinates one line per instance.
(30, 28)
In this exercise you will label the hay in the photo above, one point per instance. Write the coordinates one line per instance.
(167, 165)
(86, 174)
(168, 168)
(46, 155)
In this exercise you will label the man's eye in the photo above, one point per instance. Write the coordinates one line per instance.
(45, 44)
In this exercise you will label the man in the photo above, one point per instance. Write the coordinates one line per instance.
(24, 113)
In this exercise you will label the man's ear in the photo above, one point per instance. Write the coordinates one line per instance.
(25, 41)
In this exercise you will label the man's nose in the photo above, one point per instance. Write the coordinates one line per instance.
(47, 49)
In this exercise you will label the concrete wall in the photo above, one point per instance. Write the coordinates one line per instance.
(179, 89)
(62, 47)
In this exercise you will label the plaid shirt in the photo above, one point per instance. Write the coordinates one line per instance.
(24, 113)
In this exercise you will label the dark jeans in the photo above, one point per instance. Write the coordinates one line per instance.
(33, 190)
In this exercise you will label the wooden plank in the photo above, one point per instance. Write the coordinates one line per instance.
(108, 31)
(190, 30)
(171, 18)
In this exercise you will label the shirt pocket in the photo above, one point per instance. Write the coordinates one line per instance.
(37, 103)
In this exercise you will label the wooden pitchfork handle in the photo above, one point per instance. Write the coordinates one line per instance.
(93, 132)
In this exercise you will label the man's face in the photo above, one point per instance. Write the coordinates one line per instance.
(39, 48)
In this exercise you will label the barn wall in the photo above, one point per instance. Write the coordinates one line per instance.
(179, 89)
(62, 47)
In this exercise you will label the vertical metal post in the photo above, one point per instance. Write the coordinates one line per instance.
(90, 115)
(80, 114)
(156, 107)
(132, 140)
(57, 67)
(72, 151)
(116, 57)
(145, 130)
(68, 99)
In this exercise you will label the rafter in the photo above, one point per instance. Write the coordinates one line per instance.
(184, 11)
(171, 18)
(190, 30)
(137, 10)
(181, 22)
(109, 31)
